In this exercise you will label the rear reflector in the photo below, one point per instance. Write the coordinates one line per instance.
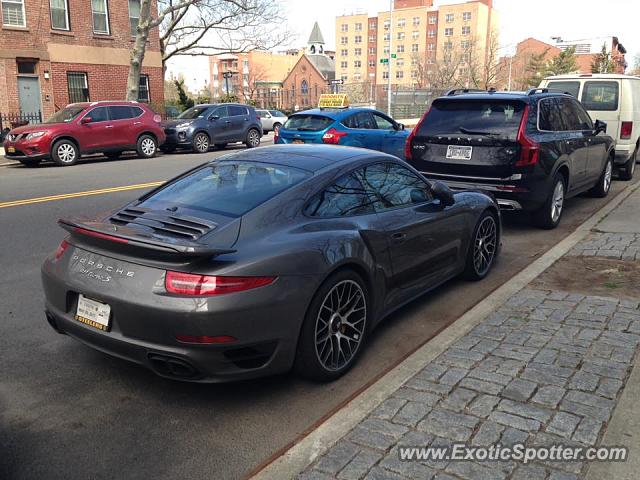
(60, 250)
(102, 236)
(189, 284)
(625, 130)
(529, 150)
(205, 339)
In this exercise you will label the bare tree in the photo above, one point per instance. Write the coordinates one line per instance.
(457, 67)
(204, 27)
(257, 74)
(492, 67)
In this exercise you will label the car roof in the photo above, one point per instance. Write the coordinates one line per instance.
(105, 103)
(513, 95)
(307, 157)
(335, 113)
(593, 76)
(207, 105)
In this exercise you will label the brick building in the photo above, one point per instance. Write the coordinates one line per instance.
(55, 52)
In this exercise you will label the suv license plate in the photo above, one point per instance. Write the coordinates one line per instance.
(455, 152)
(297, 141)
(93, 313)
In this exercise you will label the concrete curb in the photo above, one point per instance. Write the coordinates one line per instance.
(309, 448)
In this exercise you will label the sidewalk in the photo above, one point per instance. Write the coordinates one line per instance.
(551, 365)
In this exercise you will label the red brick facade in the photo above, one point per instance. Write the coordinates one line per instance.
(104, 58)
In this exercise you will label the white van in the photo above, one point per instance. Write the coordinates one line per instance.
(614, 99)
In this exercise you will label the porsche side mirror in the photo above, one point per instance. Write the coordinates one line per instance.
(443, 193)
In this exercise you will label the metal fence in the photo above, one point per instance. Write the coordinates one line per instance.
(14, 120)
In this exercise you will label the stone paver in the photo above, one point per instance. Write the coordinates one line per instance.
(621, 246)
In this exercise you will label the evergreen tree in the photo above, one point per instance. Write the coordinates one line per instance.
(537, 69)
(564, 62)
(183, 98)
(602, 62)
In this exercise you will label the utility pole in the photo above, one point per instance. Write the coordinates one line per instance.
(510, 65)
(390, 50)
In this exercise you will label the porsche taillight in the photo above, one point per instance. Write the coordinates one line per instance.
(190, 284)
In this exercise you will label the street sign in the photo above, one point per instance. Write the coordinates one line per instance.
(393, 55)
(336, 82)
(384, 60)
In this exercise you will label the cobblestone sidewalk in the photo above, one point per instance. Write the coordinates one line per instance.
(544, 369)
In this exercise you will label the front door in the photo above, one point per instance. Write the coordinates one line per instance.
(97, 135)
(393, 141)
(29, 95)
(239, 121)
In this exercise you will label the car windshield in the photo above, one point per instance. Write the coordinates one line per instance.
(229, 188)
(193, 112)
(308, 123)
(477, 117)
(66, 115)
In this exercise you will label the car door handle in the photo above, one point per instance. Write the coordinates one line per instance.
(108, 126)
(399, 237)
(137, 123)
(227, 121)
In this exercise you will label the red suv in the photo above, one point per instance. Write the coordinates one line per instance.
(81, 128)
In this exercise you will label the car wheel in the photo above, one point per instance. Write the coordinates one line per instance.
(201, 143)
(221, 146)
(65, 153)
(601, 189)
(483, 248)
(629, 168)
(112, 155)
(253, 138)
(147, 146)
(549, 215)
(334, 328)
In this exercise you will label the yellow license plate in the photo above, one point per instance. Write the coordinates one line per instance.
(11, 149)
(298, 141)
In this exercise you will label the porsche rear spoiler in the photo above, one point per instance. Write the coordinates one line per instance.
(107, 232)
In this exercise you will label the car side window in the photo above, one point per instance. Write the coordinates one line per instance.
(351, 121)
(393, 186)
(383, 123)
(98, 114)
(550, 118)
(136, 112)
(569, 114)
(236, 111)
(583, 117)
(276, 113)
(366, 121)
(120, 112)
(346, 197)
(220, 112)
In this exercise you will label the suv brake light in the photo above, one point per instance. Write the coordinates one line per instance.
(333, 136)
(189, 284)
(407, 145)
(625, 130)
(529, 150)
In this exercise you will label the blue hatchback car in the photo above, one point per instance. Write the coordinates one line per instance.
(354, 127)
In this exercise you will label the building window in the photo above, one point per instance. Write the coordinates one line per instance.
(416, 21)
(143, 89)
(372, 50)
(466, 30)
(357, 77)
(448, 18)
(466, 16)
(465, 44)
(448, 32)
(372, 38)
(414, 74)
(358, 39)
(358, 52)
(343, 64)
(78, 87)
(372, 63)
(402, 22)
(433, 20)
(357, 64)
(430, 61)
(399, 74)
(400, 49)
(431, 34)
(415, 35)
(431, 46)
(100, 12)
(400, 35)
(448, 45)
(414, 47)
(358, 27)
(344, 27)
(304, 87)
(414, 61)
(463, 71)
(386, 50)
(387, 37)
(13, 13)
(344, 52)
(26, 67)
(59, 14)
(387, 24)
(344, 40)
(372, 25)
(385, 75)
(344, 77)
(400, 62)
(134, 15)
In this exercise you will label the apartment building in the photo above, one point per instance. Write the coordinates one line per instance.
(412, 37)
(55, 52)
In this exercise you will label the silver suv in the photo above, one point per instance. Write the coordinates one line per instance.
(271, 120)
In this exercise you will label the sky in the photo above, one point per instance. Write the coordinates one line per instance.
(569, 19)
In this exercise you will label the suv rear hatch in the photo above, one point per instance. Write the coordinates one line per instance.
(305, 128)
(468, 138)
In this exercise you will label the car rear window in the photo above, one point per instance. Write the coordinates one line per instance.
(448, 117)
(572, 88)
(600, 96)
(229, 188)
(308, 123)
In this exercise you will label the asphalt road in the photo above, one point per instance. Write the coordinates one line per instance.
(67, 411)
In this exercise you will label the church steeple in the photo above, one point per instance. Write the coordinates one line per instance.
(316, 41)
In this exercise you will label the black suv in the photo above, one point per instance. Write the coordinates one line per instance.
(530, 149)
(219, 124)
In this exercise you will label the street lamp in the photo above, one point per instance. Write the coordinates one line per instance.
(227, 75)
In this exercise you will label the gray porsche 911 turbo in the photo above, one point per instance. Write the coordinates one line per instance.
(264, 260)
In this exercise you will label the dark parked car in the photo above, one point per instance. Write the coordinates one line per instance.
(265, 259)
(531, 150)
(202, 126)
(82, 128)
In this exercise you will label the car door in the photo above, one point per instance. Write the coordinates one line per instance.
(218, 124)
(239, 122)
(362, 131)
(596, 144)
(98, 133)
(123, 130)
(423, 235)
(392, 140)
(576, 142)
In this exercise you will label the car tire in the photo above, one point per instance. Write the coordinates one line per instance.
(548, 217)
(629, 168)
(221, 146)
(30, 162)
(483, 247)
(316, 360)
(112, 155)
(65, 153)
(201, 142)
(147, 146)
(601, 189)
(253, 138)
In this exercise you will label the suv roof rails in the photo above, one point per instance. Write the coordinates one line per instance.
(456, 91)
(534, 91)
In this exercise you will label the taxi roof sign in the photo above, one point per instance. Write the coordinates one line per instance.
(333, 100)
